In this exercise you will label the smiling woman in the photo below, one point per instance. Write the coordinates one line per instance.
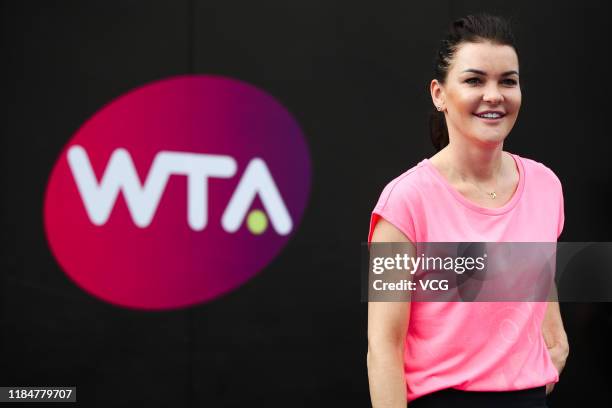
(482, 91)
(434, 354)
(477, 72)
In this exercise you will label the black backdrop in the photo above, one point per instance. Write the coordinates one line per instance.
(354, 74)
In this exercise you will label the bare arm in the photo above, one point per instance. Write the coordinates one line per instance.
(555, 338)
(387, 326)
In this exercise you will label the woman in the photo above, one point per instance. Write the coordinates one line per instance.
(495, 354)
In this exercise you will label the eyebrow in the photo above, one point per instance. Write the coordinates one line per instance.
(479, 72)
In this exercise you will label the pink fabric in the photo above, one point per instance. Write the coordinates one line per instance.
(479, 346)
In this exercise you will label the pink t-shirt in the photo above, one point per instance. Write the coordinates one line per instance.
(476, 346)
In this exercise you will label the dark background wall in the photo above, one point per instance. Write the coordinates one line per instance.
(354, 74)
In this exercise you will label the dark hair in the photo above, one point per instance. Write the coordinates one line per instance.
(469, 29)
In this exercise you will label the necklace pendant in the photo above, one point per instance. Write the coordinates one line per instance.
(493, 195)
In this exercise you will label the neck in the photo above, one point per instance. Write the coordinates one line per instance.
(473, 162)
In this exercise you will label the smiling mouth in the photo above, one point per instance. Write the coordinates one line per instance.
(491, 116)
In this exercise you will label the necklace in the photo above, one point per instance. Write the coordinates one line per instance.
(491, 194)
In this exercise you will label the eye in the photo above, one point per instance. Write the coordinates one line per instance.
(473, 81)
(510, 82)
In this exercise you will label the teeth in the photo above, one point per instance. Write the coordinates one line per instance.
(490, 115)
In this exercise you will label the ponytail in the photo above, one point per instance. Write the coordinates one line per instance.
(438, 130)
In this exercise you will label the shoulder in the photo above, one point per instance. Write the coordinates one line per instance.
(404, 185)
(399, 202)
(538, 173)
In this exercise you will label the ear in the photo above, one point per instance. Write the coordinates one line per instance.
(437, 94)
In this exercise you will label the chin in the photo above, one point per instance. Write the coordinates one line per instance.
(492, 134)
(492, 139)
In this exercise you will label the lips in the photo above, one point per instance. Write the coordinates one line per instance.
(490, 115)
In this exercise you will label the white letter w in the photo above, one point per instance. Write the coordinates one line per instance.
(120, 175)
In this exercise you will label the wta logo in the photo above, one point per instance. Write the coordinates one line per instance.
(177, 192)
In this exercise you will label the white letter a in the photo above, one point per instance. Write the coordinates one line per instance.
(257, 180)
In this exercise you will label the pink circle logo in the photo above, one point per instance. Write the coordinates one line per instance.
(177, 192)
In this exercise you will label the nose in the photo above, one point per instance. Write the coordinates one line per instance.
(492, 95)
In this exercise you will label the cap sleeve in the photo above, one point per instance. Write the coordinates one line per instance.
(395, 206)
(561, 219)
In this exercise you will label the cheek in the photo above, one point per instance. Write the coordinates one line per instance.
(466, 103)
(514, 101)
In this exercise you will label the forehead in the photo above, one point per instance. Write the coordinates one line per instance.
(485, 56)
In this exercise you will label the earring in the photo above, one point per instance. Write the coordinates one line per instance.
(439, 108)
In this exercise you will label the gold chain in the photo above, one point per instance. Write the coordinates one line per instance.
(491, 194)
